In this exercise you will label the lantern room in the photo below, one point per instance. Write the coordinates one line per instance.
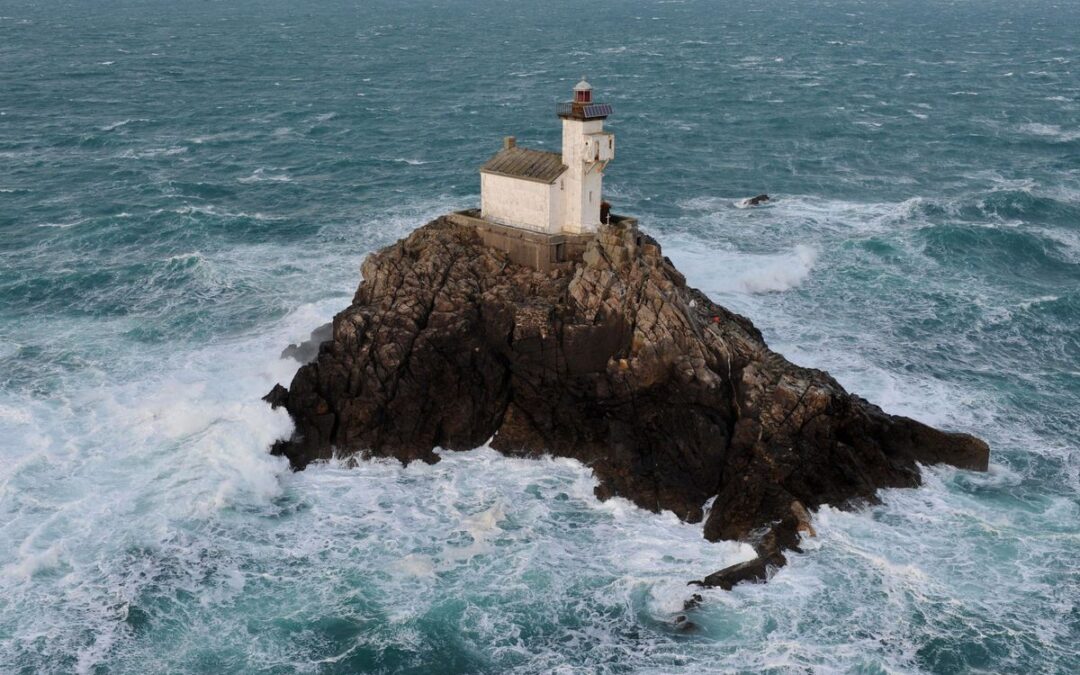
(582, 92)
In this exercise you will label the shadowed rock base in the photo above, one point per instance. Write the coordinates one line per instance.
(615, 361)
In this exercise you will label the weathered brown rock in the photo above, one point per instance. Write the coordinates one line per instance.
(670, 398)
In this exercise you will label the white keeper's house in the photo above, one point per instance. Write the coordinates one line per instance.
(542, 207)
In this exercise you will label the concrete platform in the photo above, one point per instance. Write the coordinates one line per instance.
(532, 249)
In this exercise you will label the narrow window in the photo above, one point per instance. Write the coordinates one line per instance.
(590, 196)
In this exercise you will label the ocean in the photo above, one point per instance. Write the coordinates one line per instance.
(188, 187)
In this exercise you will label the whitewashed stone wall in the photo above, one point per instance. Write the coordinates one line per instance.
(586, 148)
(527, 204)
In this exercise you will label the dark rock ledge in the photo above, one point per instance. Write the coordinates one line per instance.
(615, 361)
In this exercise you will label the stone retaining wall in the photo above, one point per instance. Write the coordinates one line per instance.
(532, 249)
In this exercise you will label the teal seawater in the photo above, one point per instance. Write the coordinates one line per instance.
(187, 187)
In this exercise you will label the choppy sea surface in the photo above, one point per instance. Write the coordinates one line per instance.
(187, 187)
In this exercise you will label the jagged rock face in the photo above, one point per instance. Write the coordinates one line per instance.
(670, 398)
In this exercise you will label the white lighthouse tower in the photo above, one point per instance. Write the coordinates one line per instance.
(543, 207)
(586, 150)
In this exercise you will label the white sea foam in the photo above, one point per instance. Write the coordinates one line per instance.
(124, 467)
(1052, 131)
(220, 137)
(210, 210)
(769, 274)
(72, 223)
(122, 123)
(796, 214)
(184, 257)
(149, 153)
(261, 176)
(1068, 239)
(14, 415)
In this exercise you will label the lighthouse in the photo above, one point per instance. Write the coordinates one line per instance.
(543, 207)
(586, 151)
(551, 192)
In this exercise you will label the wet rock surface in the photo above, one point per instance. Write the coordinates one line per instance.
(670, 398)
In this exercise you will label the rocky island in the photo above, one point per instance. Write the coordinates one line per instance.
(611, 359)
(543, 323)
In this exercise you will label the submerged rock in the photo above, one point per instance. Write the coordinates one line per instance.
(615, 361)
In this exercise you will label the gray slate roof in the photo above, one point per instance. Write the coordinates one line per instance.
(538, 165)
